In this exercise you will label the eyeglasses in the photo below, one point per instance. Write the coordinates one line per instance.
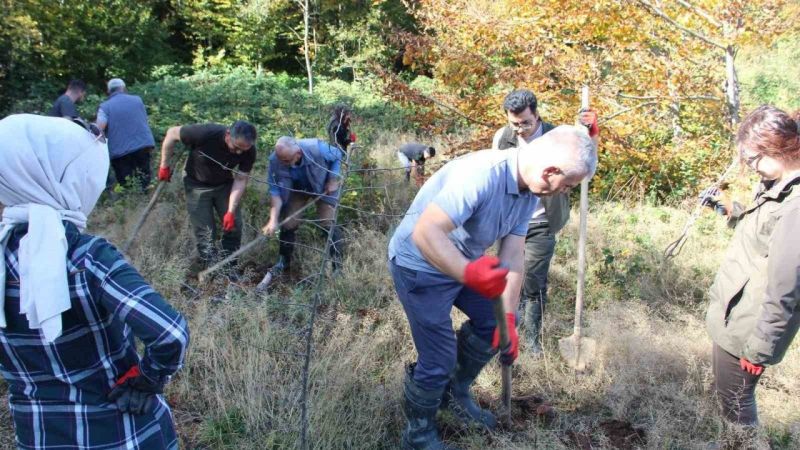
(91, 128)
(752, 161)
(524, 125)
(236, 149)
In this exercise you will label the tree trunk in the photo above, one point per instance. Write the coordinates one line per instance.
(674, 105)
(732, 86)
(306, 16)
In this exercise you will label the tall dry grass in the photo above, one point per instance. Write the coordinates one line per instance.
(240, 388)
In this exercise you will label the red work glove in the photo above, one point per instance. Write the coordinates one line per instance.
(486, 277)
(752, 369)
(133, 393)
(588, 118)
(133, 372)
(352, 137)
(508, 355)
(164, 174)
(228, 221)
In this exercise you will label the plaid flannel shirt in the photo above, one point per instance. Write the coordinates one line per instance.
(58, 391)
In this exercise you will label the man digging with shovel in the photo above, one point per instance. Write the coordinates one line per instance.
(437, 261)
(302, 170)
(216, 174)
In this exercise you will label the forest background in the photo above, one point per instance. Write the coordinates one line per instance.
(657, 69)
(661, 74)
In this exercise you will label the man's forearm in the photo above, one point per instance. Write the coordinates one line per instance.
(437, 249)
(511, 293)
(275, 208)
(171, 138)
(430, 235)
(512, 253)
(237, 191)
(167, 148)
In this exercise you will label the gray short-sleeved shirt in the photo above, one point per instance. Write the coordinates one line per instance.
(63, 107)
(480, 194)
(414, 151)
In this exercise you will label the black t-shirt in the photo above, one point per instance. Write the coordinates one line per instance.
(207, 150)
(63, 107)
(414, 151)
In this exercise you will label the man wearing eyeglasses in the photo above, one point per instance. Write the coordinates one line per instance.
(123, 118)
(550, 215)
(216, 174)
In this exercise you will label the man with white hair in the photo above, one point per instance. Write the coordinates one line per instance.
(130, 142)
(303, 170)
(437, 261)
(71, 305)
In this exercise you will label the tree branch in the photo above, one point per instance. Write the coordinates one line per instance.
(655, 10)
(700, 12)
(626, 110)
(710, 98)
(454, 110)
(296, 34)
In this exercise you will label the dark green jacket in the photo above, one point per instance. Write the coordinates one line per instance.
(754, 299)
(556, 207)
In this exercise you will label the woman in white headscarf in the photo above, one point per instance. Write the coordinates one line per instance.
(70, 305)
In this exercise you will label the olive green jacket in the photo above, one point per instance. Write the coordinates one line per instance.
(754, 309)
(556, 206)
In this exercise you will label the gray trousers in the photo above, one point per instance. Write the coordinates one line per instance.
(207, 206)
(540, 245)
(736, 388)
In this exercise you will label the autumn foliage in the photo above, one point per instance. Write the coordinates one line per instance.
(657, 73)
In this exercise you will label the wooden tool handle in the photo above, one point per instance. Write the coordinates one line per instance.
(584, 211)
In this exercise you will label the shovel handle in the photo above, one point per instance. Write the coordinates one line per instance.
(146, 212)
(505, 369)
(143, 217)
(502, 325)
(584, 211)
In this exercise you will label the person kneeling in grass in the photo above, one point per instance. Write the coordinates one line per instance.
(71, 306)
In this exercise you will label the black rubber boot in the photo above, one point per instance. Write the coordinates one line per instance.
(285, 250)
(534, 310)
(473, 354)
(337, 242)
(420, 407)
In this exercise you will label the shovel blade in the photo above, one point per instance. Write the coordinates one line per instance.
(578, 352)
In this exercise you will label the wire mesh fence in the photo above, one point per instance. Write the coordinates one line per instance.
(307, 297)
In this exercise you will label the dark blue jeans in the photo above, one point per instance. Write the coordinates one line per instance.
(427, 299)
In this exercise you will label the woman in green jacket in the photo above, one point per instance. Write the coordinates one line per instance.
(754, 313)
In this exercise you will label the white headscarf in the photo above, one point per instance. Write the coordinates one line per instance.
(51, 170)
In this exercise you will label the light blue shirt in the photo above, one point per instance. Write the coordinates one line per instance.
(480, 194)
(321, 162)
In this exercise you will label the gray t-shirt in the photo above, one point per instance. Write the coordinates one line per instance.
(414, 151)
(488, 207)
(63, 107)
